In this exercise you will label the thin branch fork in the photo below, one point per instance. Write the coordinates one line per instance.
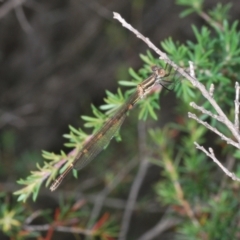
(9, 6)
(70, 229)
(228, 140)
(188, 76)
(211, 154)
(234, 128)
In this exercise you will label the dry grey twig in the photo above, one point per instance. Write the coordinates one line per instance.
(236, 122)
(208, 95)
(212, 156)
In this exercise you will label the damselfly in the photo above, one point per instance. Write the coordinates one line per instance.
(104, 135)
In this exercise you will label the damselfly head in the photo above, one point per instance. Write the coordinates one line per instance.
(160, 72)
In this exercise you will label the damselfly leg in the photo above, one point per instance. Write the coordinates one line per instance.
(170, 79)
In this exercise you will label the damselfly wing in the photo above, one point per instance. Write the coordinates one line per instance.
(104, 135)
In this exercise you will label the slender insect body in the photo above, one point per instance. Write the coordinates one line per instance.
(104, 135)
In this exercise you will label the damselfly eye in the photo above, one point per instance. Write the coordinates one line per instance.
(154, 68)
(162, 72)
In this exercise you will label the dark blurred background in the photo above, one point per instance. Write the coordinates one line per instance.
(57, 57)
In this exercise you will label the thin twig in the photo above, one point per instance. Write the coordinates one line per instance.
(228, 140)
(9, 6)
(137, 183)
(160, 227)
(34, 215)
(132, 199)
(236, 121)
(212, 156)
(46, 227)
(209, 20)
(22, 19)
(204, 111)
(173, 173)
(100, 198)
(192, 79)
